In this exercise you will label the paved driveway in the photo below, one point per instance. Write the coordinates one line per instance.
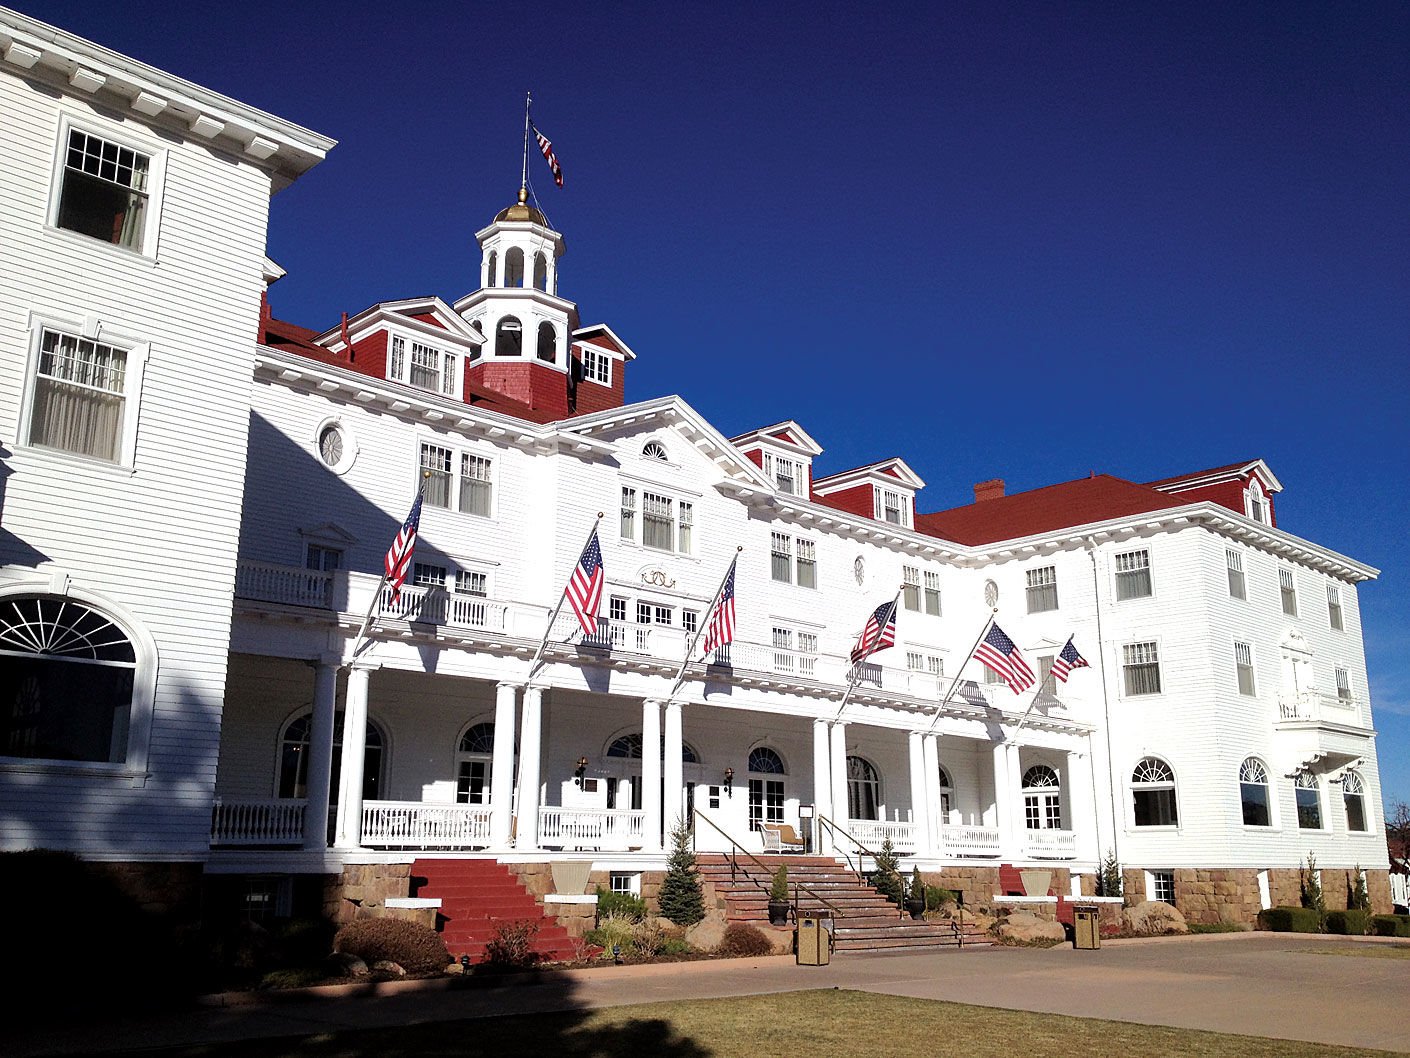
(1259, 984)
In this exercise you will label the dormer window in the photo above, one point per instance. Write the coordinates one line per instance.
(427, 367)
(1256, 502)
(788, 474)
(597, 365)
(891, 506)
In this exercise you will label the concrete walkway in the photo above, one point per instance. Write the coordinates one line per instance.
(1260, 984)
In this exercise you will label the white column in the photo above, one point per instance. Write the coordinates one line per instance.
(839, 774)
(348, 832)
(1081, 811)
(920, 794)
(530, 756)
(651, 773)
(822, 784)
(930, 750)
(502, 765)
(1009, 841)
(672, 801)
(318, 783)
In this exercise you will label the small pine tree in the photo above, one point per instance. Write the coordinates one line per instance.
(778, 890)
(1312, 886)
(680, 899)
(1109, 880)
(1358, 899)
(886, 879)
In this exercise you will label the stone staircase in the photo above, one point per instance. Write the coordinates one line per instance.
(864, 920)
(476, 896)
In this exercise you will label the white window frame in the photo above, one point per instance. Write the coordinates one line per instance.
(779, 468)
(456, 477)
(910, 588)
(1336, 614)
(1341, 679)
(1037, 587)
(1244, 664)
(930, 591)
(401, 352)
(1129, 568)
(1256, 504)
(882, 500)
(1287, 589)
(685, 526)
(1156, 880)
(626, 883)
(1126, 664)
(597, 365)
(1316, 785)
(789, 554)
(1236, 574)
(93, 330)
(129, 138)
(348, 440)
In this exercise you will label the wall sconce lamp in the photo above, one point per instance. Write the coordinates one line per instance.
(729, 781)
(580, 770)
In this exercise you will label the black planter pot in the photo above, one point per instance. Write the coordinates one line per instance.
(778, 913)
(916, 908)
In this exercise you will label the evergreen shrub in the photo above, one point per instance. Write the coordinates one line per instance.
(1290, 920)
(1351, 922)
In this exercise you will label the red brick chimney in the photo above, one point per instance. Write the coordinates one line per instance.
(989, 490)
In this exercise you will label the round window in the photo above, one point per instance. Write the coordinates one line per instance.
(335, 446)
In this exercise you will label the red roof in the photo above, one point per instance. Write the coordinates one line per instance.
(1044, 510)
(1227, 469)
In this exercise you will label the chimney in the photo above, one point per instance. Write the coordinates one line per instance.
(989, 490)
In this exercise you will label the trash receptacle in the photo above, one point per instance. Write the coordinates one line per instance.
(814, 938)
(1086, 927)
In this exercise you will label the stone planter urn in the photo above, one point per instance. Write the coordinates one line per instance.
(1035, 882)
(570, 878)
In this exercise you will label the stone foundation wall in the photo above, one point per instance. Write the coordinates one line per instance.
(362, 889)
(169, 891)
(978, 884)
(1209, 896)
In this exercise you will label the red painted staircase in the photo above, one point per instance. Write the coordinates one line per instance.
(863, 919)
(476, 896)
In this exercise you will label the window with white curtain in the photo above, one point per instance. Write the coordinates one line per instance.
(471, 491)
(910, 587)
(1140, 666)
(1042, 589)
(79, 402)
(104, 190)
(790, 475)
(1133, 575)
(932, 593)
(1234, 562)
(892, 506)
(1287, 589)
(665, 524)
(425, 367)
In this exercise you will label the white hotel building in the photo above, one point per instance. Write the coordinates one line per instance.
(155, 417)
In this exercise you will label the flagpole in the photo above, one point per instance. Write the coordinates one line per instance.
(533, 665)
(524, 173)
(700, 628)
(856, 665)
(940, 706)
(1024, 719)
(377, 595)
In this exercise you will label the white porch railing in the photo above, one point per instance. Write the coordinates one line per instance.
(425, 825)
(598, 828)
(269, 822)
(290, 585)
(1051, 844)
(440, 607)
(1314, 705)
(964, 840)
(762, 657)
(872, 832)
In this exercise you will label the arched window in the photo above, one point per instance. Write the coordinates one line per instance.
(541, 271)
(1353, 793)
(655, 450)
(70, 678)
(476, 350)
(509, 338)
(1042, 798)
(548, 343)
(494, 267)
(766, 795)
(514, 267)
(474, 760)
(1253, 792)
(1309, 801)
(947, 790)
(1257, 502)
(293, 757)
(863, 789)
(629, 746)
(1153, 791)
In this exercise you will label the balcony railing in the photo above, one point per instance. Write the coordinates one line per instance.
(1316, 706)
(592, 828)
(258, 822)
(425, 825)
(1051, 844)
(290, 585)
(440, 607)
(964, 840)
(872, 832)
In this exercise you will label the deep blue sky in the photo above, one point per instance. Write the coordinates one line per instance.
(1021, 241)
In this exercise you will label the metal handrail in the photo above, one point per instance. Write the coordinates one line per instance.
(736, 848)
(846, 856)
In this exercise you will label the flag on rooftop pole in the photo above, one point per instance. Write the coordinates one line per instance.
(546, 149)
(584, 589)
(398, 561)
(1067, 660)
(1001, 654)
(878, 633)
(720, 630)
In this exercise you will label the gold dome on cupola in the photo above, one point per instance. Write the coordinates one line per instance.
(521, 210)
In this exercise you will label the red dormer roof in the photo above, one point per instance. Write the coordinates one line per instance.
(1094, 499)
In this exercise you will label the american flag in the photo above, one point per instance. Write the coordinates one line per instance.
(1068, 660)
(546, 146)
(398, 560)
(1000, 653)
(584, 589)
(879, 633)
(720, 630)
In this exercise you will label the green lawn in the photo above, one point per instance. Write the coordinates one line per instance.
(817, 1024)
